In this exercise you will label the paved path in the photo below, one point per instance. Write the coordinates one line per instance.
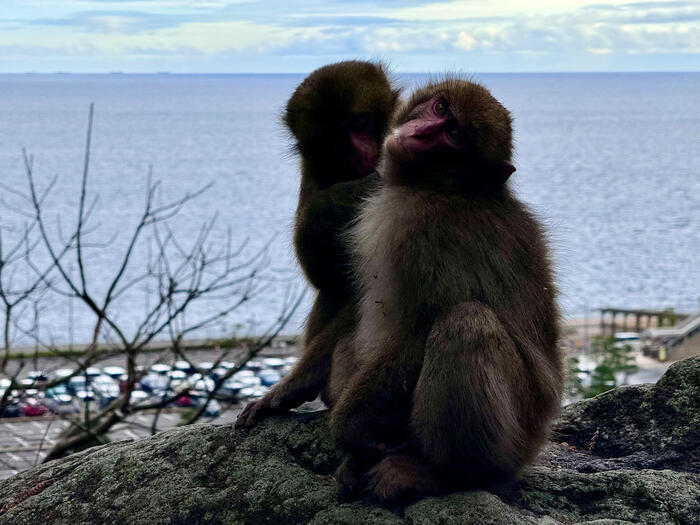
(24, 442)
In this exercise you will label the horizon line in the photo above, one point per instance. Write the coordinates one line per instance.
(175, 73)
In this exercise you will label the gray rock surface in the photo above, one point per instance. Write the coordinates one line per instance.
(630, 455)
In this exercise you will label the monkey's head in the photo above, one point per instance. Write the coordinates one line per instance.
(451, 135)
(339, 116)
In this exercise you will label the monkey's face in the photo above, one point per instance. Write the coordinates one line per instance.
(452, 134)
(339, 115)
(431, 129)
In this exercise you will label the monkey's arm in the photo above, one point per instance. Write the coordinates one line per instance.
(371, 414)
(309, 375)
(376, 401)
(322, 216)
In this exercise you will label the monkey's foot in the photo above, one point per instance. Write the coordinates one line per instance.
(349, 475)
(400, 478)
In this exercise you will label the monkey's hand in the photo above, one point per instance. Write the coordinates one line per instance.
(280, 398)
(322, 216)
(349, 193)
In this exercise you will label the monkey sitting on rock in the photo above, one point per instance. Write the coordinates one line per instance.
(338, 117)
(452, 373)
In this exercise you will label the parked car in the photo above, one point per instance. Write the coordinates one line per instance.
(60, 404)
(254, 365)
(30, 407)
(37, 375)
(76, 384)
(184, 366)
(177, 375)
(104, 384)
(154, 382)
(269, 377)
(114, 371)
(245, 376)
(274, 362)
(11, 410)
(63, 372)
(205, 366)
(160, 368)
(138, 396)
(253, 392)
(107, 397)
(218, 372)
(86, 395)
(213, 407)
(231, 388)
(203, 384)
(58, 391)
(184, 400)
(92, 371)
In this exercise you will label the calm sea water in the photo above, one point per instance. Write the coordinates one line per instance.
(610, 162)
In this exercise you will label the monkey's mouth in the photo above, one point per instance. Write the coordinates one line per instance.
(395, 145)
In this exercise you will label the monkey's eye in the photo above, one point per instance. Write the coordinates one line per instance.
(440, 108)
(456, 135)
(361, 122)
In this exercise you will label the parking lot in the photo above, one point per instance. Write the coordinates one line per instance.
(25, 441)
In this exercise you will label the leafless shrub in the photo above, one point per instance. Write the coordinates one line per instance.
(179, 276)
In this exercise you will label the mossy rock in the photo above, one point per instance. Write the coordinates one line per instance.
(631, 455)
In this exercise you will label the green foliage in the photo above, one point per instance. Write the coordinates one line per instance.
(574, 385)
(613, 358)
(186, 416)
(669, 317)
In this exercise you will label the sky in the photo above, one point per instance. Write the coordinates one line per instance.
(287, 36)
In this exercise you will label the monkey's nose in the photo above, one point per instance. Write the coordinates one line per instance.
(426, 128)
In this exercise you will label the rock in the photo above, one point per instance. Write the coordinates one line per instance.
(630, 455)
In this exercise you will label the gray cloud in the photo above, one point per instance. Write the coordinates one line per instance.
(315, 28)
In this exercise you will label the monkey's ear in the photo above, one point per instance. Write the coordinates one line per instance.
(504, 170)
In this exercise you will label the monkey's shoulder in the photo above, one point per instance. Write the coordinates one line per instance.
(396, 213)
(450, 241)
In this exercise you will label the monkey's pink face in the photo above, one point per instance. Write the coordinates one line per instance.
(431, 127)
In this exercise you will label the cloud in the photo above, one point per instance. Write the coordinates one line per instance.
(400, 31)
(465, 41)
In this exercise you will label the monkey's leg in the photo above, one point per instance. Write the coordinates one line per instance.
(343, 366)
(466, 418)
(474, 382)
(311, 373)
(371, 415)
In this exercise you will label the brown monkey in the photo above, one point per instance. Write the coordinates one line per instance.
(453, 374)
(338, 117)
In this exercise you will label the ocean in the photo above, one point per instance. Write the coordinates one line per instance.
(609, 162)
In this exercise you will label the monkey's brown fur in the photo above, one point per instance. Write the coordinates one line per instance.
(338, 117)
(453, 374)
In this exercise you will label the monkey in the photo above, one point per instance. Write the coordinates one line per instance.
(453, 374)
(338, 117)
